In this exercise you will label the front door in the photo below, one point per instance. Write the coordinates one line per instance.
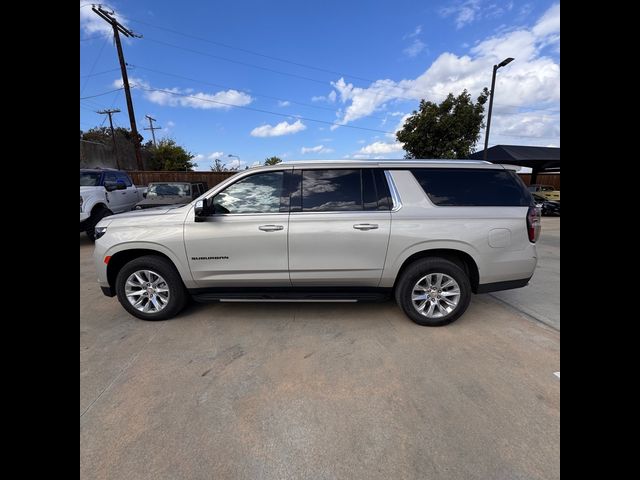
(340, 233)
(244, 243)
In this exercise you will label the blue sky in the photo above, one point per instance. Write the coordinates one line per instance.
(319, 79)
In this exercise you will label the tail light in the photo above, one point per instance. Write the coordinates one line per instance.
(533, 223)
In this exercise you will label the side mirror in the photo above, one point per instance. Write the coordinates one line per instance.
(110, 186)
(203, 209)
(144, 194)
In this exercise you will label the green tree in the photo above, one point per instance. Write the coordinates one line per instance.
(448, 130)
(170, 156)
(103, 135)
(272, 161)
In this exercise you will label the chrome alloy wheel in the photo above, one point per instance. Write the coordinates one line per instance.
(435, 295)
(147, 291)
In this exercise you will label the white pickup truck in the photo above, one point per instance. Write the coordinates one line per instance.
(103, 192)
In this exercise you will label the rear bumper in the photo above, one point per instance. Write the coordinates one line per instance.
(497, 286)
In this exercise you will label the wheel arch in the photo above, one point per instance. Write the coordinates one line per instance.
(463, 259)
(119, 259)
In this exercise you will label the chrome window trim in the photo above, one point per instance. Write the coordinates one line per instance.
(395, 196)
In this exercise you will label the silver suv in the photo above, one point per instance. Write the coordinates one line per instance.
(429, 232)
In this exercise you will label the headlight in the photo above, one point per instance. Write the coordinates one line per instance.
(100, 231)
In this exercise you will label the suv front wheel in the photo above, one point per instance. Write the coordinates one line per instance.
(150, 288)
(433, 292)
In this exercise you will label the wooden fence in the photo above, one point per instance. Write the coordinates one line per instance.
(543, 179)
(143, 178)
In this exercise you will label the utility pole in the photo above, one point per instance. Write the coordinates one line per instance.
(152, 128)
(113, 133)
(117, 29)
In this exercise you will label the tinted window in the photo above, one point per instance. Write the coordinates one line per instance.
(258, 193)
(124, 178)
(110, 177)
(472, 187)
(90, 179)
(382, 189)
(331, 190)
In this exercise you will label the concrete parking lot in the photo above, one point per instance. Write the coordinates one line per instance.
(322, 391)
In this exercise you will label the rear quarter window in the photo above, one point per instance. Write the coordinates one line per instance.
(460, 187)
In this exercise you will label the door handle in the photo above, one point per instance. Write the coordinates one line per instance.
(365, 226)
(270, 228)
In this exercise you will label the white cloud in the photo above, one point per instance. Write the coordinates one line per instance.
(282, 128)
(214, 155)
(224, 99)
(284, 103)
(417, 31)
(380, 147)
(465, 12)
(415, 48)
(549, 23)
(170, 124)
(532, 80)
(316, 149)
(330, 97)
(92, 24)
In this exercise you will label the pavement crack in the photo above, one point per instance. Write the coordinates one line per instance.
(124, 369)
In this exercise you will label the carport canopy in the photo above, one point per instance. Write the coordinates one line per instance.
(539, 159)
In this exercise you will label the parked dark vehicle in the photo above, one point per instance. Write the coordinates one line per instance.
(162, 194)
(547, 207)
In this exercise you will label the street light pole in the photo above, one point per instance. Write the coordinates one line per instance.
(506, 61)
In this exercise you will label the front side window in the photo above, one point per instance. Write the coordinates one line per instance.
(123, 177)
(331, 190)
(259, 193)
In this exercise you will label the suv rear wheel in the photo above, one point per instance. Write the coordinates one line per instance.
(150, 288)
(433, 292)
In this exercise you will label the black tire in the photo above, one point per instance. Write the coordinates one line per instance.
(96, 216)
(419, 269)
(177, 293)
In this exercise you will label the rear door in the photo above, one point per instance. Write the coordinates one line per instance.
(338, 227)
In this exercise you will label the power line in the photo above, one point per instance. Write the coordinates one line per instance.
(94, 65)
(100, 73)
(169, 92)
(152, 128)
(310, 79)
(245, 50)
(248, 92)
(91, 38)
(101, 94)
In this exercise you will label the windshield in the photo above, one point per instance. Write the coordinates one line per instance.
(546, 188)
(168, 189)
(89, 179)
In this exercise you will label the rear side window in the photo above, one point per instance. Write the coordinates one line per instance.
(462, 187)
(331, 190)
(339, 190)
